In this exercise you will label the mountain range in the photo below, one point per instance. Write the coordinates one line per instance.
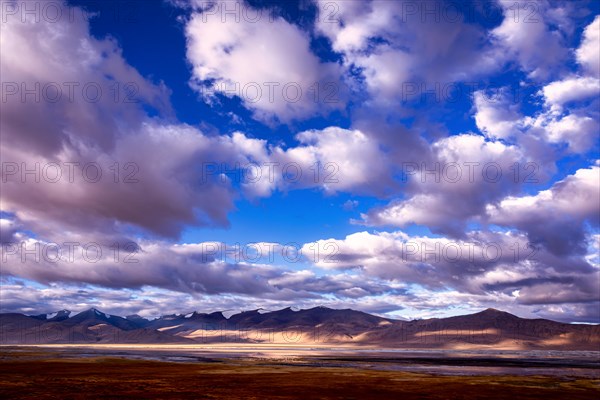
(320, 325)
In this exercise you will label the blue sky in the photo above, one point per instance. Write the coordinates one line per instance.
(408, 131)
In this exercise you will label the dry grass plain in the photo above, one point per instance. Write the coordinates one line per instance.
(37, 373)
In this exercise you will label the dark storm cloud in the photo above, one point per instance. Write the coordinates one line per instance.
(555, 218)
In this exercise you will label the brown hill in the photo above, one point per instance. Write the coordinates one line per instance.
(486, 329)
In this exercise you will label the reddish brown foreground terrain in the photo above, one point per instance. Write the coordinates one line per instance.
(40, 375)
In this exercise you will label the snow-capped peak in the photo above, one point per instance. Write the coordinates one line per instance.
(101, 314)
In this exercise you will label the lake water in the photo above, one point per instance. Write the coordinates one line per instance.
(564, 364)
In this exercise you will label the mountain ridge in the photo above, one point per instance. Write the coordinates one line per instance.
(486, 328)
